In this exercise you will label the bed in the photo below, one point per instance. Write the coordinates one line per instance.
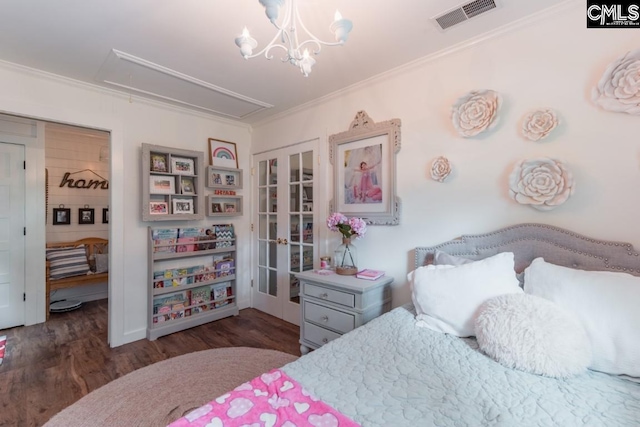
(391, 373)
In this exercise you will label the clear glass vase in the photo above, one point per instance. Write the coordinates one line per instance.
(346, 258)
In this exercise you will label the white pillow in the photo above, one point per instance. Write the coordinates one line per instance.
(608, 305)
(446, 297)
(443, 258)
(532, 334)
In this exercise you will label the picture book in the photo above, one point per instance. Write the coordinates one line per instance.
(189, 246)
(193, 273)
(207, 274)
(207, 240)
(191, 232)
(164, 245)
(159, 279)
(369, 274)
(164, 233)
(221, 293)
(225, 235)
(226, 267)
(180, 277)
(201, 295)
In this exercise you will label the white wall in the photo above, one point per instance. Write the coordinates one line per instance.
(47, 97)
(552, 61)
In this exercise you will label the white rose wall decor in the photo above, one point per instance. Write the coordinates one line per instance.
(619, 87)
(440, 169)
(538, 124)
(476, 112)
(543, 183)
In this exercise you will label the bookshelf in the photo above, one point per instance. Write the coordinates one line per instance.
(192, 277)
(172, 184)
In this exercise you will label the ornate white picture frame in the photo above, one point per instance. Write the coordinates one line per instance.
(364, 165)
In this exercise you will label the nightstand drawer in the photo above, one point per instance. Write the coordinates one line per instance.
(317, 335)
(331, 295)
(328, 317)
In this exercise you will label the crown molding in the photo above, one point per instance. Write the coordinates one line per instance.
(409, 66)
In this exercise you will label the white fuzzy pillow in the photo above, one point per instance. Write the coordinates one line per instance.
(532, 334)
(446, 297)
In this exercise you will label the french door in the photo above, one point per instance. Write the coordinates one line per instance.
(285, 230)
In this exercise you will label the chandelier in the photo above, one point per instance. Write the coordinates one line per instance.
(286, 38)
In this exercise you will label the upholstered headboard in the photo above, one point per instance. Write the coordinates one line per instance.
(530, 241)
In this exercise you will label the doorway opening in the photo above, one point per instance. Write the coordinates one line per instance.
(77, 215)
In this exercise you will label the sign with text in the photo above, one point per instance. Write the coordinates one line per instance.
(619, 14)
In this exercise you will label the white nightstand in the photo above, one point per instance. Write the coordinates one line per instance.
(332, 305)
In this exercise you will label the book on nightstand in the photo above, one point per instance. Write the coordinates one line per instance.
(369, 274)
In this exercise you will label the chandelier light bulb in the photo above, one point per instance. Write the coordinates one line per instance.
(246, 43)
(341, 28)
(306, 63)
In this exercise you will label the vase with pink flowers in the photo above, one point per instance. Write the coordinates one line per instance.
(346, 254)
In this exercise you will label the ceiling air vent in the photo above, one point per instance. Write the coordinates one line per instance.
(463, 13)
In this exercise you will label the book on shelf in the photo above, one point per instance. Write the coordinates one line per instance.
(225, 267)
(191, 232)
(224, 235)
(221, 294)
(164, 233)
(188, 246)
(369, 274)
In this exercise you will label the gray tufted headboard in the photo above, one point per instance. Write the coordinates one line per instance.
(530, 241)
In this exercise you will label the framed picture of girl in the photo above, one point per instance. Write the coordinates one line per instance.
(364, 170)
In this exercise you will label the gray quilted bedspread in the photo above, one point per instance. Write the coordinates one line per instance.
(392, 373)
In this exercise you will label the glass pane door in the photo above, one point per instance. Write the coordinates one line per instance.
(285, 235)
(266, 279)
(301, 241)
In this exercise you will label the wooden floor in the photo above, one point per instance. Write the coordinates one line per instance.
(51, 365)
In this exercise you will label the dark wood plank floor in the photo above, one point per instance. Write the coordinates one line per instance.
(51, 365)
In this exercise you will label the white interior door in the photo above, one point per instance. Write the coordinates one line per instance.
(284, 227)
(12, 239)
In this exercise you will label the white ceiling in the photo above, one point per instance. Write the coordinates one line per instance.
(147, 43)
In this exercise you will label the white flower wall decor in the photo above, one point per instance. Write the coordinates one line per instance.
(476, 112)
(543, 183)
(440, 169)
(619, 87)
(538, 124)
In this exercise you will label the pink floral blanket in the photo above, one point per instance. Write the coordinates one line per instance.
(271, 400)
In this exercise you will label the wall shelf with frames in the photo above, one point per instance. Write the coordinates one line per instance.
(172, 184)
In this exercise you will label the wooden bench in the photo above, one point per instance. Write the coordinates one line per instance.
(93, 245)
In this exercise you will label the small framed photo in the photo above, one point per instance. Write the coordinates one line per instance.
(187, 185)
(182, 166)
(216, 207)
(158, 208)
(86, 216)
(223, 153)
(61, 216)
(216, 178)
(159, 184)
(230, 180)
(230, 207)
(105, 215)
(159, 163)
(182, 206)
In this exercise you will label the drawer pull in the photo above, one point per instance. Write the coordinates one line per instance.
(325, 318)
(325, 340)
(324, 296)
